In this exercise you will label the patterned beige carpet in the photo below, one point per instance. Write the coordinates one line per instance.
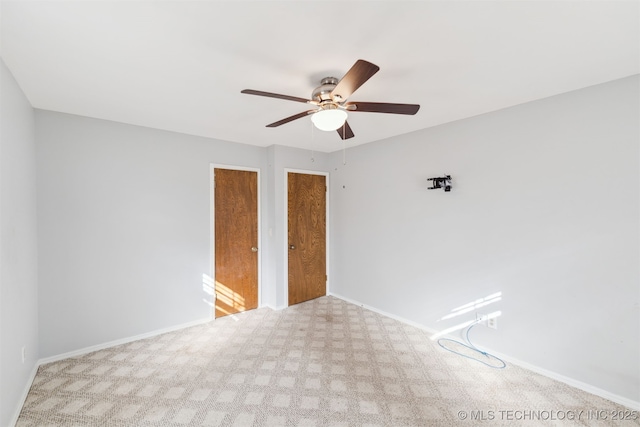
(321, 363)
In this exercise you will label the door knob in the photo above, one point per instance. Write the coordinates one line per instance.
(254, 249)
(292, 247)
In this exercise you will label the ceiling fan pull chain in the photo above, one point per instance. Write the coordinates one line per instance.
(344, 153)
(344, 144)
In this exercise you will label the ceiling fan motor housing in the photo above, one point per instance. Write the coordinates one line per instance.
(323, 92)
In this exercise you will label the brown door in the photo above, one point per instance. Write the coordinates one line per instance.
(307, 237)
(236, 240)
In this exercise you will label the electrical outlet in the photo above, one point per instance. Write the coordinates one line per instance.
(492, 322)
(24, 355)
(482, 319)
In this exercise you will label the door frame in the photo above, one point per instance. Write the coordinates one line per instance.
(286, 228)
(212, 224)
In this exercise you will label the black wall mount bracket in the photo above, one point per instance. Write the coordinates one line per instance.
(441, 182)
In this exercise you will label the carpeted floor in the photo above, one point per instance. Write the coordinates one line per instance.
(321, 363)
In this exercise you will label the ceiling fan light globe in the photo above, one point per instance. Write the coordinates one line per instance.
(329, 120)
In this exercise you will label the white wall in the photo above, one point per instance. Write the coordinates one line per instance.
(124, 227)
(18, 246)
(544, 208)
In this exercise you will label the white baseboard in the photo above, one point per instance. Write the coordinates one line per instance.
(25, 393)
(275, 308)
(384, 313)
(114, 343)
(91, 349)
(621, 400)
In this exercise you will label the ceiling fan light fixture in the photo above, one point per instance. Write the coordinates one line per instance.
(329, 120)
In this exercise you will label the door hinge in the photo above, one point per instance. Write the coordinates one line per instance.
(326, 278)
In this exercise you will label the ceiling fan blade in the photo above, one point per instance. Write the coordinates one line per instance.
(382, 107)
(276, 95)
(345, 131)
(355, 77)
(290, 119)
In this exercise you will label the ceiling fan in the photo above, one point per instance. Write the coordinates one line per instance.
(330, 101)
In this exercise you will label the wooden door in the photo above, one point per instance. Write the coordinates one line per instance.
(307, 237)
(236, 240)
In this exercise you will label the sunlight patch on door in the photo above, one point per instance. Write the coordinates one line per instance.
(228, 297)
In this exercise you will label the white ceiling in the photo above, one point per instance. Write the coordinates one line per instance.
(180, 66)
